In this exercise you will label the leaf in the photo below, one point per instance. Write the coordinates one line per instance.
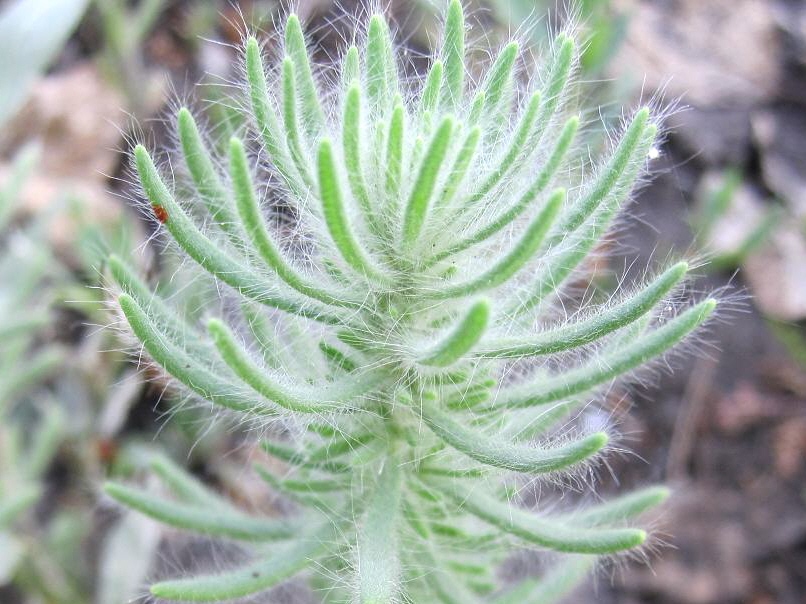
(126, 558)
(13, 505)
(463, 337)
(229, 523)
(557, 582)
(542, 531)
(338, 223)
(11, 553)
(32, 32)
(259, 576)
(502, 454)
(609, 366)
(591, 329)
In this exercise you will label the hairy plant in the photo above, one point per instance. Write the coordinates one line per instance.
(393, 251)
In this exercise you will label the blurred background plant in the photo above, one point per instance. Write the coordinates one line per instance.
(28, 445)
(732, 433)
(124, 29)
(602, 23)
(725, 232)
(61, 404)
(66, 392)
(31, 36)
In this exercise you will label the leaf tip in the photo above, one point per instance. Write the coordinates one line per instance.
(660, 494)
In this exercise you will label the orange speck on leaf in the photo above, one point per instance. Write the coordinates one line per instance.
(161, 214)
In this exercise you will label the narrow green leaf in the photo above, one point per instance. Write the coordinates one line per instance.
(308, 485)
(609, 366)
(258, 576)
(336, 216)
(218, 522)
(477, 107)
(468, 398)
(507, 217)
(460, 166)
(518, 458)
(351, 67)
(300, 459)
(591, 329)
(530, 422)
(313, 118)
(379, 147)
(621, 508)
(545, 532)
(574, 248)
(537, 421)
(461, 339)
(498, 79)
(351, 142)
(360, 340)
(453, 56)
(420, 197)
(307, 497)
(197, 376)
(170, 322)
(338, 360)
(264, 333)
(429, 569)
(342, 444)
(413, 520)
(255, 227)
(459, 538)
(512, 262)
(293, 399)
(293, 129)
(558, 77)
(468, 568)
(433, 83)
(207, 254)
(514, 156)
(185, 486)
(467, 473)
(381, 76)
(266, 118)
(556, 583)
(204, 174)
(628, 152)
(394, 151)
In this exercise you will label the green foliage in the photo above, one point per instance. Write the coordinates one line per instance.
(124, 29)
(26, 447)
(398, 338)
(54, 404)
(604, 25)
(32, 32)
(715, 207)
